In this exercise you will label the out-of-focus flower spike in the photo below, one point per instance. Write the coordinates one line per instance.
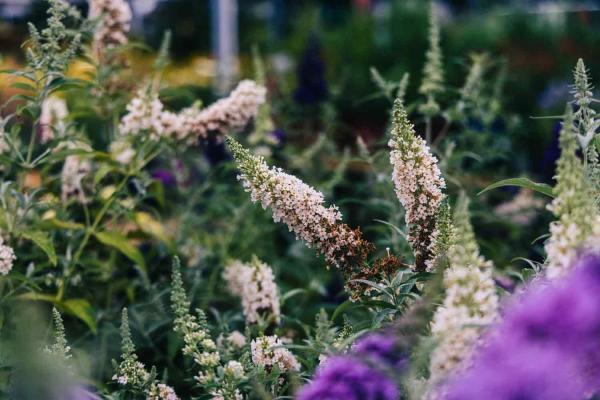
(573, 205)
(254, 284)
(432, 83)
(470, 303)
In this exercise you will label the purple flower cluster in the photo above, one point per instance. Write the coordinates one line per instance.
(547, 347)
(363, 374)
(382, 349)
(349, 378)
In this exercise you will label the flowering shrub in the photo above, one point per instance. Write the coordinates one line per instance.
(108, 208)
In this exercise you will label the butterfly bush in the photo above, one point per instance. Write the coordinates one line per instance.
(545, 347)
(162, 392)
(573, 206)
(132, 374)
(114, 23)
(302, 209)
(7, 258)
(146, 115)
(418, 182)
(75, 169)
(366, 372)
(470, 301)
(130, 371)
(268, 351)
(53, 115)
(196, 337)
(255, 284)
(228, 114)
(433, 73)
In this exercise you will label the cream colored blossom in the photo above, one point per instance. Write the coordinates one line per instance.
(122, 152)
(234, 370)
(255, 284)
(418, 183)
(53, 116)
(236, 339)
(228, 114)
(296, 204)
(521, 209)
(162, 392)
(113, 24)
(7, 258)
(75, 168)
(268, 351)
(470, 302)
(573, 206)
(144, 115)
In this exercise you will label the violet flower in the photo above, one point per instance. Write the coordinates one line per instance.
(349, 378)
(367, 372)
(382, 349)
(547, 347)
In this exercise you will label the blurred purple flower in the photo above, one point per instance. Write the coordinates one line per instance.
(215, 152)
(312, 86)
(547, 347)
(80, 393)
(554, 93)
(279, 136)
(349, 378)
(165, 176)
(381, 348)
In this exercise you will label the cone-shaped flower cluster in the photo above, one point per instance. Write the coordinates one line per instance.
(193, 330)
(60, 348)
(75, 168)
(302, 209)
(228, 114)
(441, 237)
(7, 258)
(585, 117)
(364, 373)
(263, 123)
(132, 373)
(268, 351)
(161, 391)
(146, 115)
(255, 284)
(433, 74)
(470, 304)
(53, 116)
(573, 206)
(418, 183)
(114, 23)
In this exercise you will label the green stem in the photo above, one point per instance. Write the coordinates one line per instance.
(428, 130)
(88, 233)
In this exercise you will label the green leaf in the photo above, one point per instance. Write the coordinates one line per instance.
(292, 293)
(121, 243)
(44, 242)
(38, 297)
(23, 86)
(81, 309)
(104, 170)
(341, 308)
(60, 224)
(522, 182)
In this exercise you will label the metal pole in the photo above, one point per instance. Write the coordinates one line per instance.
(225, 43)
